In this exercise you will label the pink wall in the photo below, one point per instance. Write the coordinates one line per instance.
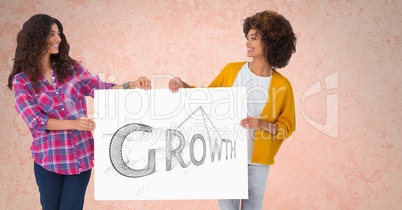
(345, 154)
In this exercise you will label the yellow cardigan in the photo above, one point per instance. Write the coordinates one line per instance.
(279, 109)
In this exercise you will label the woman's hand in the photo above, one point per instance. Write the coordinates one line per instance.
(175, 84)
(250, 123)
(143, 83)
(84, 124)
(255, 123)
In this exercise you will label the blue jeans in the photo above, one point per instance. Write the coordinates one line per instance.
(257, 180)
(61, 191)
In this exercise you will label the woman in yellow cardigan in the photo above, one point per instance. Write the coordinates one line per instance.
(270, 104)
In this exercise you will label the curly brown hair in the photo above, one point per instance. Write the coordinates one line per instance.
(277, 36)
(31, 47)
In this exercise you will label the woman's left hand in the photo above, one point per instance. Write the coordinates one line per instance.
(255, 123)
(143, 83)
(251, 122)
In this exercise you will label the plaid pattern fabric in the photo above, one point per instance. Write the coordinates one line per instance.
(59, 151)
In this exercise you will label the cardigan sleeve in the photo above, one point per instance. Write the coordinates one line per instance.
(227, 76)
(218, 81)
(286, 120)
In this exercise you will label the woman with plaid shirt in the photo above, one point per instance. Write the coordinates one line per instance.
(50, 89)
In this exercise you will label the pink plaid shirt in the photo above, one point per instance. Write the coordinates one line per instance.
(60, 151)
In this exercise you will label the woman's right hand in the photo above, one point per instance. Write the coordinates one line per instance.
(84, 124)
(175, 84)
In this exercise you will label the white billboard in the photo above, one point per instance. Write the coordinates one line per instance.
(157, 145)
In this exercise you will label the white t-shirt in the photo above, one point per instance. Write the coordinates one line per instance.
(257, 95)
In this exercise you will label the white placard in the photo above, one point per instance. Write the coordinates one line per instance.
(156, 145)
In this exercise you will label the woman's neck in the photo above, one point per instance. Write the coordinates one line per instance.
(260, 67)
(46, 64)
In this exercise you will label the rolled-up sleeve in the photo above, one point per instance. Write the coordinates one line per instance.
(27, 107)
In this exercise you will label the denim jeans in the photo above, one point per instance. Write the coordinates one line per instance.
(257, 180)
(61, 191)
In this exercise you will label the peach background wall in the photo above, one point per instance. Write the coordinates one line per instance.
(346, 75)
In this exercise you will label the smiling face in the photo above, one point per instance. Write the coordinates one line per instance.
(254, 44)
(53, 40)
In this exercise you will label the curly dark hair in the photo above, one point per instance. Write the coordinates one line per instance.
(277, 36)
(31, 47)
